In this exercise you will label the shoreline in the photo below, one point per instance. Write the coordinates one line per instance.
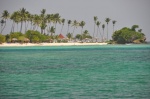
(48, 44)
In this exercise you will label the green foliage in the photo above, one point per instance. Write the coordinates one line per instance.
(2, 38)
(127, 35)
(15, 35)
(36, 36)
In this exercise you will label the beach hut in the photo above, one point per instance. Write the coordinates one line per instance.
(26, 40)
(60, 36)
(14, 40)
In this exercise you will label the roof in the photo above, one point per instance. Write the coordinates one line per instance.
(61, 36)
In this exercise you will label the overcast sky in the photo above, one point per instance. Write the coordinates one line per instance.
(125, 12)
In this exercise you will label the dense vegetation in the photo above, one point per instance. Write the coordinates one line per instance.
(25, 28)
(129, 35)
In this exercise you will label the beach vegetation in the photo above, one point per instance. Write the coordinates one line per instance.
(26, 25)
(2, 38)
(128, 35)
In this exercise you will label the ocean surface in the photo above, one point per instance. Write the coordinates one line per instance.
(75, 72)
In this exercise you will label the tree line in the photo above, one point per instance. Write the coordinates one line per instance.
(48, 25)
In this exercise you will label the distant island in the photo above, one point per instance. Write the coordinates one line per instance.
(48, 25)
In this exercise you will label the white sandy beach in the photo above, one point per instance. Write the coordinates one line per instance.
(48, 44)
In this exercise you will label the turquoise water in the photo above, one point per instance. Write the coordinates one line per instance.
(75, 72)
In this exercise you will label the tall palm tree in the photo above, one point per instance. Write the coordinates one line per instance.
(69, 22)
(26, 20)
(22, 14)
(114, 22)
(82, 24)
(107, 21)
(16, 18)
(5, 16)
(98, 29)
(56, 19)
(74, 24)
(103, 27)
(43, 21)
(95, 19)
(63, 22)
(36, 21)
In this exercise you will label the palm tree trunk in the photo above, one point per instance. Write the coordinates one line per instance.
(21, 26)
(68, 29)
(61, 28)
(113, 28)
(94, 30)
(107, 31)
(100, 33)
(73, 31)
(12, 26)
(3, 27)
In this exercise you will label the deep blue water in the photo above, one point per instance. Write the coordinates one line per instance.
(75, 72)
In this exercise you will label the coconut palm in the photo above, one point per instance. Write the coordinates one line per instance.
(74, 24)
(43, 21)
(69, 22)
(98, 29)
(49, 18)
(22, 14)
(5, 16)
(114, 22)
(82, 24)
(63, 22)
(107, 21)
(56, 19)
(69, 36)
(95, 19)
(86, 34)
(26, 20)
(36, 21)
(51, 30)
(13, 17)
(103, 27)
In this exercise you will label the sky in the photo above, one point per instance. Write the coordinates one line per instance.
(125, 12)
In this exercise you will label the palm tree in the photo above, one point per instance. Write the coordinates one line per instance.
(43, 21)
(27, 16)
(74, 24)
(103, 26)
(69, 22)
(5, 16)
(52, 30)
(2, 23)
(69, 36)
(107, 21)
(98, 29)
(36, 21)
(56, 19)
(86, 34)
(22, 14)
(114, 22)
(95, 19)
(62, 21)
(82, 24)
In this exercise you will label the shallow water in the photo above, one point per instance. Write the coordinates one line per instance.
(76, 72)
